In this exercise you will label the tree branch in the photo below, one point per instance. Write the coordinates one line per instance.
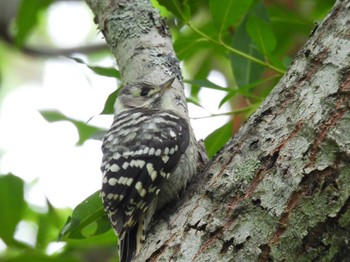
(280, 189)
(139, 39)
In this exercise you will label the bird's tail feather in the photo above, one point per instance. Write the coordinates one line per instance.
(131, 244)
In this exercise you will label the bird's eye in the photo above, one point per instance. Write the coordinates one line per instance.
(145, 91)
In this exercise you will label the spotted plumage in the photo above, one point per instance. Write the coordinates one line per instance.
(130, 168)
(149, 154)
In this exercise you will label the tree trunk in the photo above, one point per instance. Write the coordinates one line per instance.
(280, 189)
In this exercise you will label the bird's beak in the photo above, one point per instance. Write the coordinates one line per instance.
(167, 84)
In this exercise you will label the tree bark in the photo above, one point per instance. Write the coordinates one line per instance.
(280, 189)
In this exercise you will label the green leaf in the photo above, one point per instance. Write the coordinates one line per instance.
(208, 84)
(194, 101)
(215, 141)
(109, 104)
(49, 224)
(108, 238)
(203, 72)
(179, 8)
(185, 46)
(261, 33)
(245, 90)
(88, 219)
(190, 44)
(228, 13)
(103, 71)
(85, 131)
(42, 238)
(12, 206)
(244, 70)
(163, 11)
(27, 18)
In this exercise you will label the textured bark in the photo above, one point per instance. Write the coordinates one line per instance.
(280, 189)
(139, 39)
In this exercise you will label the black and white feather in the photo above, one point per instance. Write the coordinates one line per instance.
(145, 161)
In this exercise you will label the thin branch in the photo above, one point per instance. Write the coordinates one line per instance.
(46, 51)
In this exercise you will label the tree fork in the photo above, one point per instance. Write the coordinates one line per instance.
(280, 189)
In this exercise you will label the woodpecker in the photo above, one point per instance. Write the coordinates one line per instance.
(149, 155)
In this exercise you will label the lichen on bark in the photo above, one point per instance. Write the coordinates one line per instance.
(280, 189)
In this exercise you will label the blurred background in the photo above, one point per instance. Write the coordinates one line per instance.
(57, 83)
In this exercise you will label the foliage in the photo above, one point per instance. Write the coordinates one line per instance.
(85, 131)
(48, 223)
(245, 40)
(27, 18)
(88, 219)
